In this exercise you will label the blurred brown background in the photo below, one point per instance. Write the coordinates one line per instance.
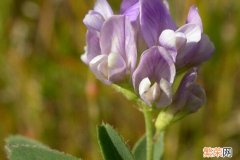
(47, 93)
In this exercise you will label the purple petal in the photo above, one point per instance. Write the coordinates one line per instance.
(117, 36)
(195, 53)
(132, 12)
(194, 17)
(203, 52)
(190, 96)
(188, 79)
(197, 98)
(93, 20)
(102, 7)
(92, 47)
(154, 18)
(156, 64)
(141, 44)
(184, 55)
(130, 8)
(126, 4)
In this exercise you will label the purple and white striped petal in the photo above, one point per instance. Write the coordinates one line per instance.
(102, 7)
(155, 63)
(194, 17)
(154, 76)
(154, 18)
(93, 20)
(92, 48)
(117, 36)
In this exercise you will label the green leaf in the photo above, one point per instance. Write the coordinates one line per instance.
(158, 147)
(21, 148)
(112, 145)
(20, 140)
(139, 149)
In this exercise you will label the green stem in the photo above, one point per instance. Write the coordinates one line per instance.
(149, 132)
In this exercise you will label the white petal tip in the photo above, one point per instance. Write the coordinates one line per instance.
(144, 85)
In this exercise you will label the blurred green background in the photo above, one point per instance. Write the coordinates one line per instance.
(48, 94)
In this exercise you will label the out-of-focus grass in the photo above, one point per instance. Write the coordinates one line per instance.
(47, 93)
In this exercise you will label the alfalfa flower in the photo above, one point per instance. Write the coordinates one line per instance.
(154, 76)
(117, 57)
(147, 28)
(111, 51)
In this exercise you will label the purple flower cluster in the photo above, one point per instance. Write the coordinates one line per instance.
(144, 44)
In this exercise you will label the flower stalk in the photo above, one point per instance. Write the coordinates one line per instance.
(149, 132)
